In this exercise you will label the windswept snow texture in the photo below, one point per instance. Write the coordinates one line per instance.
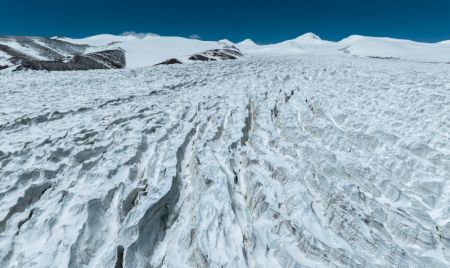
(300, 161)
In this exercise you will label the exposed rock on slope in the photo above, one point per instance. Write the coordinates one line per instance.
(227, 53)
(170, 62)
(107, 59)
(38, 53)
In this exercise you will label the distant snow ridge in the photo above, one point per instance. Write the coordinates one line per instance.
(356, 45)
(268, 161)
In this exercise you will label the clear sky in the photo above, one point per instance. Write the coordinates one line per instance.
(263, 21)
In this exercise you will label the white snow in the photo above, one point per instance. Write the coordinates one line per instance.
(396, 48)
(267, 161)
(4, 59)
(100, 40)
(307, 38)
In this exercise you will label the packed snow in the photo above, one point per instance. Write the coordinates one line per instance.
(266, 161)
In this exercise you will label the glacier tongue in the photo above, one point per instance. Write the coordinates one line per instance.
(301, 161)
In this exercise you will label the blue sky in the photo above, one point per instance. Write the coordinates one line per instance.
(263, 21)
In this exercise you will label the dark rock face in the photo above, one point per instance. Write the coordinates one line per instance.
(169, 62)
(109, 59)
(39, 53)
(227, 53)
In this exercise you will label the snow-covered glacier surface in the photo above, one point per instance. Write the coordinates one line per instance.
(300, 161)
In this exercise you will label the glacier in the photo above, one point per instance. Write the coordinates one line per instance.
(265, 161)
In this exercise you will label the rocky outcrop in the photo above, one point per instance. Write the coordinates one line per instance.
(227, 53)
(108, 59)
(39, 53)
(170, 62)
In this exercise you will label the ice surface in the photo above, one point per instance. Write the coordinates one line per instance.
(267, 161)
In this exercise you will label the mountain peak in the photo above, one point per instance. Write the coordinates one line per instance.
(225, 42)
(308, 37)
(247, 42)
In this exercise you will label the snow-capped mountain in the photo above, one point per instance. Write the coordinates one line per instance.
(356, 45)
(107, 51)
(306, 39)
(247, 42)
(39, 53)
(151, 50)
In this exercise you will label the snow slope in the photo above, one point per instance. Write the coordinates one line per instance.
(395, 48)
(151, 50)
(99, 40)
(269, 161)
